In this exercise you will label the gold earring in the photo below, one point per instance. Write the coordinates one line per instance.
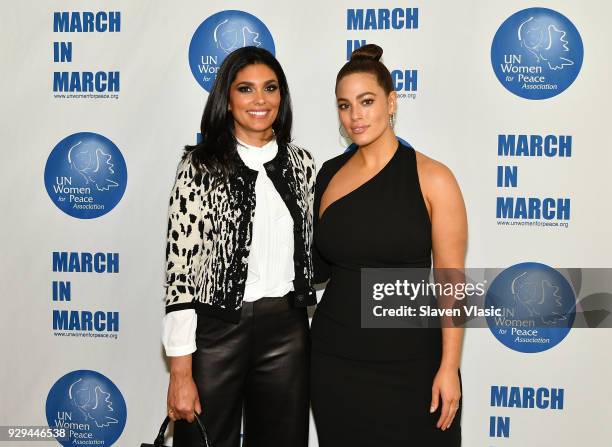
(392, 120)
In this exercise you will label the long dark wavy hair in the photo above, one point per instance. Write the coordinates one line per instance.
(216, 152)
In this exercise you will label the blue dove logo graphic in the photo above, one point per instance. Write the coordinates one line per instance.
(95, 405)
(219, 35)
(93, 164)
(547, 43)
(537, 53)
(539, 297)
(229, 36)
(538, 307)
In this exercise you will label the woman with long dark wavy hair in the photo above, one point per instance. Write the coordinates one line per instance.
(238, 271)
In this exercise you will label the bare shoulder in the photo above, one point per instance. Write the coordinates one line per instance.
(434, 176)
(445, 203)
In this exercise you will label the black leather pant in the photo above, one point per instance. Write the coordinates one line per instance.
(260, 364)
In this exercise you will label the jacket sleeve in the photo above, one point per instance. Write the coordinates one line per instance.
(320, 266)
(184, 238)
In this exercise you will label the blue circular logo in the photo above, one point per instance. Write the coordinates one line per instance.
(218, 36)
(537, 53)
(88, 406)
(537, 304)
(85, 175)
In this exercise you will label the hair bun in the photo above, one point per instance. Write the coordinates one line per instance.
(369, 51)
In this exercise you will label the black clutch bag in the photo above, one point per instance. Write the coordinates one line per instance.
(159, 441)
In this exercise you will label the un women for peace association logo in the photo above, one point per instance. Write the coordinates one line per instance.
(537, 304)
(537, 53)
(85, 175)
(218, 36)
(88, 406)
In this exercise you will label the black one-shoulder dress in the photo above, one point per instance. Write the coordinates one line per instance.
(372, 387)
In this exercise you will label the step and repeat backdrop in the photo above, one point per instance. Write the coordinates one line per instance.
(100, 97)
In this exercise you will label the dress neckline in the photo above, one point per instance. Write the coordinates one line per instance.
(360, 187)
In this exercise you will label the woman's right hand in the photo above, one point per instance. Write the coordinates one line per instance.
(183, 399)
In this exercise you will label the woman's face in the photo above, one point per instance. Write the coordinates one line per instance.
(254, 101)
(364, 108)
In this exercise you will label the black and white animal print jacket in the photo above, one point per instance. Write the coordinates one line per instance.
(210, 228)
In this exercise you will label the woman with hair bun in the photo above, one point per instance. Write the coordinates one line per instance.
(382, 205)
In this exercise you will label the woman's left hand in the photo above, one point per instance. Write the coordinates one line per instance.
(446, 385)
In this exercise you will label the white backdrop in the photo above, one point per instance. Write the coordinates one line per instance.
(458, 110)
